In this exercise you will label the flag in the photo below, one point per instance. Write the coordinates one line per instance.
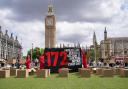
(84, 59)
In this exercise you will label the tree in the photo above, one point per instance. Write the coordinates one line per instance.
(91, 54)
(36, 52)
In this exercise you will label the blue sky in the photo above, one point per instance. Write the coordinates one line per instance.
(76, 20)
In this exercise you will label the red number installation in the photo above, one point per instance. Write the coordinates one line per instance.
(64, 60)
(63, 55)
(48, 58)
(55, 54)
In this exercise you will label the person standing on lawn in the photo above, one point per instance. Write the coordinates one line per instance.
(41, 59)
(28, 62)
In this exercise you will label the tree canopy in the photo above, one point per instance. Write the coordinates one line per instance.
(36, 52)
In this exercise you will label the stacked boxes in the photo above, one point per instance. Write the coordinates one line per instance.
(98, 71)
(85, 72)
(79, 70)
(91, 69)
(116, 71)
(107, 73)
(4, 73)
(124, 73)
(64, 72)
(42, 73)
(13, 72)
(22, 73)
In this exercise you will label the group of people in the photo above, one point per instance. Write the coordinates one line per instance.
(101, 63)
(41, 62)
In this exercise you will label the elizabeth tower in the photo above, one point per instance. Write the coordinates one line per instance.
(50, 28)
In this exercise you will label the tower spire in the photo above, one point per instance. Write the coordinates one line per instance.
(0, 30)
(94, 39)
(95, 45)
(105, 34)
(50, 8)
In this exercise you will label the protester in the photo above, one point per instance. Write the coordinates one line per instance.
(17, 63)
(27, 62)
(41, 59)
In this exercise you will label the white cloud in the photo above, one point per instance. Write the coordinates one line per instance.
(29, 32)
(72, 32)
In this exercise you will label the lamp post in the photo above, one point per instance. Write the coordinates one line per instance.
(6, 48)
(13, 49)
(0, 45)
(123, 49)
(31, 51)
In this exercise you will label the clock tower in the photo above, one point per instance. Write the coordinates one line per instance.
(50, 28)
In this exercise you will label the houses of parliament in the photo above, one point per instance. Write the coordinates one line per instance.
(10, 48)
(50, 28)
(114, 47)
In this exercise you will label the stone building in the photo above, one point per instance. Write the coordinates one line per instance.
(50, 28)
(114, 47)
(10, 48)
(96, 48)
(105, 47)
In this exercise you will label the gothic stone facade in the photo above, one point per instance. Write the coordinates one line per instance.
(10, 48)
(50, 28)
(114, 47)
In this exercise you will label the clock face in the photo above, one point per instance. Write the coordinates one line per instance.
(49, 22)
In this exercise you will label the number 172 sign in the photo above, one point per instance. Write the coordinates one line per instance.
(62, 57)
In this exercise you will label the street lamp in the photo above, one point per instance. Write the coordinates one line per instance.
(31, 51)
(0, 42)
(6, 45)
(21, 50)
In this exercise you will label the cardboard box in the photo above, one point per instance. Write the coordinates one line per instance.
(116, 71)
(64, 72)
(99, 71)
(107, 73)
(42, 73)
(79, 70)
(85, 73)
(13, 72)
(91, 69)
(4, 73)
(22, 73)
(124, 73)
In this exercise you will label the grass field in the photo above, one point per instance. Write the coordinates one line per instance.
(72, 82)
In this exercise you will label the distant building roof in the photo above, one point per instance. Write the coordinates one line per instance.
(115, 38)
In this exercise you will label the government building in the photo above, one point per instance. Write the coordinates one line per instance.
(114, 47)
(10, 48)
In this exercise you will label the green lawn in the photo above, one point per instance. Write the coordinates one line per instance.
(72, 82)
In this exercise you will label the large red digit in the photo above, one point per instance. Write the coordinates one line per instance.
(55, 54)
(48, 54)
(64, 60)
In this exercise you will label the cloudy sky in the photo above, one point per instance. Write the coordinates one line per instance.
(76, 20)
